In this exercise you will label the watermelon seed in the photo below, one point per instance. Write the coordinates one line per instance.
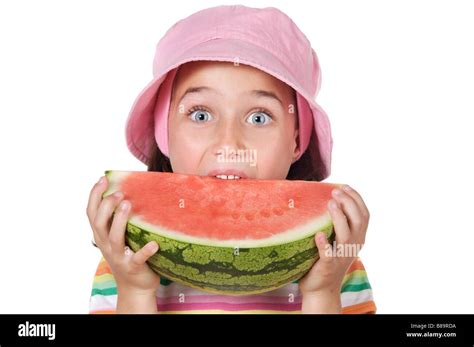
(278, 211)
(265, 213)
(249, 216)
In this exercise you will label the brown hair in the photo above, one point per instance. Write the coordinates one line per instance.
(303, 169)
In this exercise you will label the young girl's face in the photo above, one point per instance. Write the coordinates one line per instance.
(231, 119)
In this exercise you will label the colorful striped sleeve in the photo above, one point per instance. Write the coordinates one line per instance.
(356, 292)
(172, 297)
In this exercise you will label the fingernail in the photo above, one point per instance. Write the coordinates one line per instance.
(321, 236)
(347, 188)
(333, 204)
(154, 247)
(337, 192)
(118, 194)
(101, 180)
(124, 206)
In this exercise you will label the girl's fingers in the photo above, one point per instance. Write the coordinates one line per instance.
(95, 197)
(119, 224)
(350, 208)
(325, 252)
(102, 221)
(139, 258)
(324, 248)
(339, 219)
(358, 199)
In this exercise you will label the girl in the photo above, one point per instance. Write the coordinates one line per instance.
(245, 79)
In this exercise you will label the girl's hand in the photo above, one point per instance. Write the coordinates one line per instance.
(350, 218)
(131, 273)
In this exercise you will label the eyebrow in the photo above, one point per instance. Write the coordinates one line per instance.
(266, 94)
(257, 92)
(195, 90)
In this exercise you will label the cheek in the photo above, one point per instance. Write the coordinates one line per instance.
(274, 155)
(273, 161)
(185, 150)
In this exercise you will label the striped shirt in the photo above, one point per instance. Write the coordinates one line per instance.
(172, 297)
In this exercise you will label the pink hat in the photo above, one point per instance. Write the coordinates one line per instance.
(265, 38)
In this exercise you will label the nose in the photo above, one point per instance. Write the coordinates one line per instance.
(228, 136)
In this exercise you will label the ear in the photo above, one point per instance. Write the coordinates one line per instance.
(296, 146)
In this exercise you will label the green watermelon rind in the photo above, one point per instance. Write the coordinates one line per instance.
(227, 270)
(301, 231)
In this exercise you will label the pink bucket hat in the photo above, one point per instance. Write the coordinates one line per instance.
(264, 38)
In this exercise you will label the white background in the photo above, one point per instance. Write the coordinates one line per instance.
(398, 82)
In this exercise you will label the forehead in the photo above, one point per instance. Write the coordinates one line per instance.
(226, 76)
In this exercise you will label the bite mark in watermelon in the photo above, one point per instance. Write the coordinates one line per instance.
(230, 237)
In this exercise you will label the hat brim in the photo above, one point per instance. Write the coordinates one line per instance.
(139, 130)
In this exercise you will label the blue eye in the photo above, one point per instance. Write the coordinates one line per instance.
(259, 118)
(200, 116)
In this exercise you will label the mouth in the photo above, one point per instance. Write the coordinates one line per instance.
(227, 174)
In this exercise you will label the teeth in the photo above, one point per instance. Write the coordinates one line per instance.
(228, 177)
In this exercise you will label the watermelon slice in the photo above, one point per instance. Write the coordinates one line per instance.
(232, 237)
